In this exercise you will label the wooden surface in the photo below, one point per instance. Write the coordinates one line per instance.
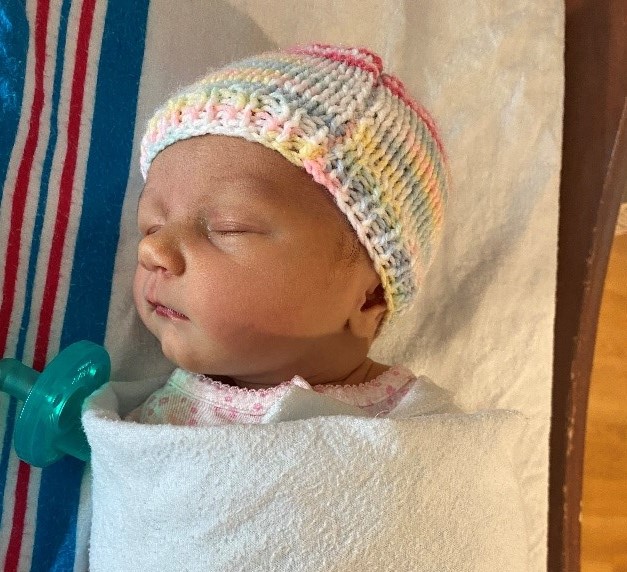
(595, 60)
(604, 519)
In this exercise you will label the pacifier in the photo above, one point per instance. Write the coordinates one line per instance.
(49, 424)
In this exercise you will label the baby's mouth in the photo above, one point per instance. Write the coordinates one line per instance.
(167, 312)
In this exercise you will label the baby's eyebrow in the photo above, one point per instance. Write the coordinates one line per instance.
(247, 181)
(250, 185)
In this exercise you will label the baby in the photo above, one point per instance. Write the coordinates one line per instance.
(292, 205)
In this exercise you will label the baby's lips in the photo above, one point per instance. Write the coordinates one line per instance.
(166, 311)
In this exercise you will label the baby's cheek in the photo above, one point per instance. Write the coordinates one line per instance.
(246, 316)
(136, 280)
(138, 290)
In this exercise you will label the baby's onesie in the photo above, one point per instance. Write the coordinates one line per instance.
(195, 399)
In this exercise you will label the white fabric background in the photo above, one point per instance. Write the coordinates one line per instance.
(491, 74)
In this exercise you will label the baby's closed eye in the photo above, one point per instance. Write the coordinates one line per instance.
(150, 230)
(226, 232)
(232, 228)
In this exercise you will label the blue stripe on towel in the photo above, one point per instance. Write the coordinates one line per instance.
(55, 535)
(107, 171)
(112, 132)
(13, 50)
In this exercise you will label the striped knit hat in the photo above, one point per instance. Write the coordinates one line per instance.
(332, 111)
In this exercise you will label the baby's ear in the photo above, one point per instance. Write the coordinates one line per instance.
(374, 297)
(365, 321)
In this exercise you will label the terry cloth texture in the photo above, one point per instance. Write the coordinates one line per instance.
(321, 487)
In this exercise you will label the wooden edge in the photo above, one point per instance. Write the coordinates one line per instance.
(569, 423)
(593, 164)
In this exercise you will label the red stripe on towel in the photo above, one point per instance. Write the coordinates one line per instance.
(66, 185)
(14, 548)
(19, 514)
(12, 257)
(56, 252)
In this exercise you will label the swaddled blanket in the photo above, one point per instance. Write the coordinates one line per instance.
(335, 491)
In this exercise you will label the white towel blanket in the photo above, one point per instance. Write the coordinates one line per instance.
(335, 492)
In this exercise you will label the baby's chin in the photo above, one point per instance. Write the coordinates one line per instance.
(188, 359)
(203, 366)
(182, 357)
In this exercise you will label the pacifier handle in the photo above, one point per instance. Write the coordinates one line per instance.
(49, 424)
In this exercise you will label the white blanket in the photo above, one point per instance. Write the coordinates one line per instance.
(327, 493)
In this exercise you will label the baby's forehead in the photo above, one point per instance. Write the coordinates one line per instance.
(219, 167)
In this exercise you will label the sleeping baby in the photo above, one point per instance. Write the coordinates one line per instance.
(292, 205)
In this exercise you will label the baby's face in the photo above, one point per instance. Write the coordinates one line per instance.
(238, 272)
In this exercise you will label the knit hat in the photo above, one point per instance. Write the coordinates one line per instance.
(332, 111)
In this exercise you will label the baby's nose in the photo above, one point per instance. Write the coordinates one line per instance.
(161, 251)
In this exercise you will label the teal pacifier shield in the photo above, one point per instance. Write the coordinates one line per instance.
(49, 425)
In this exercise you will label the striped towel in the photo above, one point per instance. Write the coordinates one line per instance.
(69, 79)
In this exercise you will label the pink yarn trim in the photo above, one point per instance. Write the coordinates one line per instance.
(371, 63)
